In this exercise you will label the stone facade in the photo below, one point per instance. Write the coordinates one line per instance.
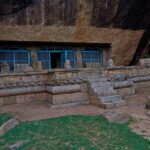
(129, 80)
(73, 34)
(70, 87)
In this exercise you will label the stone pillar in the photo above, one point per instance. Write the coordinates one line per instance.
(33, 54)
(37, 66)
(79, 59)
(106, 55)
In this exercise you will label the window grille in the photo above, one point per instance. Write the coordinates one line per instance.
(91, 56)
(69, 55)
(45, 57)
(12, 57)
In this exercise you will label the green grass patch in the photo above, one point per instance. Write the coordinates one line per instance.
(5, 117)
(74, 133)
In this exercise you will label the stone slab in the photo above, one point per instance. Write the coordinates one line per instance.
(63, 89)
(1, 101)
(8, 125)
(126, 91)
(9, 100)
(118, 117)
(67, 98)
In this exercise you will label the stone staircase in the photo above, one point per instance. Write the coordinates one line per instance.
(102, 93)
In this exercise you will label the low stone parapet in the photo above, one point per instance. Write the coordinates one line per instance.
(122, 84)
(21, 91)
(63, 89)
(140, 79)
(37, 87)
(129, 72)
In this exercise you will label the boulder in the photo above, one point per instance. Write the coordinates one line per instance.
(118, 117)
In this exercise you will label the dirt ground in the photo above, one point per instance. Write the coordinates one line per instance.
(135, 108)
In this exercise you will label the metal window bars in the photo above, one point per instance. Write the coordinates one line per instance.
(92, 58)
(12, 57)
(45, 57)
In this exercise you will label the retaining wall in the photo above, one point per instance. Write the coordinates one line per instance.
(56, 87)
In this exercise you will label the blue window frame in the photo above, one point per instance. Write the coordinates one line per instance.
(91, 56)
(13, 57)
(45, 57)
(69, 55)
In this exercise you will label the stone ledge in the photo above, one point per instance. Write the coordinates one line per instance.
(21, 91)
(127, 91)
(63, 70)
(63, 89)
(121, 84)
(115, 68)
(140, 79)
(69, 104)
(24, 74)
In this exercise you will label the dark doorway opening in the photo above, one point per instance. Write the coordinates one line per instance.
(55, 60)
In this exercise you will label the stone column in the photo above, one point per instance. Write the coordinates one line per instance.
(79, 58)
(33, 54)
(106, 55)
(37, 66)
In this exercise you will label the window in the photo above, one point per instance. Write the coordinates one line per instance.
(91, 58)
(12, 57)
(56, 58)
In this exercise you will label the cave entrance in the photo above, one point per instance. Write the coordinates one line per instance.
(55, 60)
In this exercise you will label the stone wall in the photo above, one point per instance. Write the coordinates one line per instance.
(129, 80)
(55, 87)
(128, 72)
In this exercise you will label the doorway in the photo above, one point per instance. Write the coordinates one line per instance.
(55, 60)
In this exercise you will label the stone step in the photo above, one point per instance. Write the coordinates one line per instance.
(112, 98)
(109, 105)
(99, 84)
(92, 80)
(120, 103)
(105, 93)
(69, 104)
(103, 88)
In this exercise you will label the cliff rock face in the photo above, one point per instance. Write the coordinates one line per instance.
(117, 22)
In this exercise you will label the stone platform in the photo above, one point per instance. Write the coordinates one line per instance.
(63, 88)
